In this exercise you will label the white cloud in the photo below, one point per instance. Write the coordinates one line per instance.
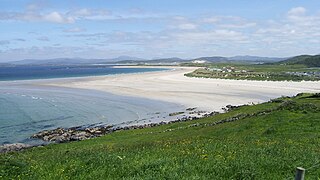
(222, 19)
(211, 19)
(179, 18)
(230, 22)
(205, 37)
(297, 27)
(91, 14)
(215, 34)
(292, 33)
(74, 30)
(56, 17)
(297, 11)
(299, 16)
(187, 26)
(34, 13)
(53, 17)
(239, 24)
(81, 12)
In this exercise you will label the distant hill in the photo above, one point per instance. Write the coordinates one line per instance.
(211, 59)
(5, 64)
(240, 58)
(124, 58)
(154, 61)
(308, 60)
(68, 61)
(136, 60)
(255, 58)
(57, 61)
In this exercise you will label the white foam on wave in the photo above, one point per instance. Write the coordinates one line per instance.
(36, 98)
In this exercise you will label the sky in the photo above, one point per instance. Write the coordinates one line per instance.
(150, 29)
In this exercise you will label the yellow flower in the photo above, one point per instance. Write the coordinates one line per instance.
(204, 156)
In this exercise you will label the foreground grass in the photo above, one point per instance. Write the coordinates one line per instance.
(264, 146)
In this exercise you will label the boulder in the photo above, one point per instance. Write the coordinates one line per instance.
(13, 147)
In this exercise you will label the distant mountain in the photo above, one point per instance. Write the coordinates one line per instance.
(239, 58)
(136, 60)
(308, 60)
(124, 58)
(255, 58)
(68, 61)
(168, 60)
(211, 59)
(5, 64)
(154, 61)
(57, 61)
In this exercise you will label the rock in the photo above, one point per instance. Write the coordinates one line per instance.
(191, 109)
(45, 138)
(78, 133)
(98, 132)
(13, 147)
(175, 113)
(60, 139)
(77, 138)
(82, 134)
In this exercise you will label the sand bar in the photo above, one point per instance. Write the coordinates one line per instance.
(173, 86)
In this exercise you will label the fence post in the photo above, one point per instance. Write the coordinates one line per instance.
(300, 173)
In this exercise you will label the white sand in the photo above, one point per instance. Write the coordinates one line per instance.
(173, 86)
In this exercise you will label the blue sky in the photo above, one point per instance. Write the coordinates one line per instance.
(152, 29)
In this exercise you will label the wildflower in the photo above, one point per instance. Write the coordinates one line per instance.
(120, 157)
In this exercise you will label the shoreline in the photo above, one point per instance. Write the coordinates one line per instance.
(85, 132)
(172, 86)
(53, 107)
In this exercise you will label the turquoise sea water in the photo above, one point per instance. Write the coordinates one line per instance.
(26, 72)
(26, 109)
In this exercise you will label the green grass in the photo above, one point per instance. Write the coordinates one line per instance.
(259, 146)
(270, 72)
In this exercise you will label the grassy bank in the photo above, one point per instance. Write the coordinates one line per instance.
(269, 72)
(265, 141)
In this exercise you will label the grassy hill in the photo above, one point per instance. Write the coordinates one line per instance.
(307, 60)
(265, 141)
(258, 72)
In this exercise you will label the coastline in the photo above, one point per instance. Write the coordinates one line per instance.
(207, 95)
(85, 132)
(90, 107)
(172, 86)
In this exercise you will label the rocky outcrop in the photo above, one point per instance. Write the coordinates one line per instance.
(60, 135)
(13, 147)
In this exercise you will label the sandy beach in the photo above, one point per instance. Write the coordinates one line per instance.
(173, 86)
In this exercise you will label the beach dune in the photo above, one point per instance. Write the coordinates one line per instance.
(206, 94)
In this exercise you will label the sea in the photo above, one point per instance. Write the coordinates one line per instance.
(27, 107)
(27, 72)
